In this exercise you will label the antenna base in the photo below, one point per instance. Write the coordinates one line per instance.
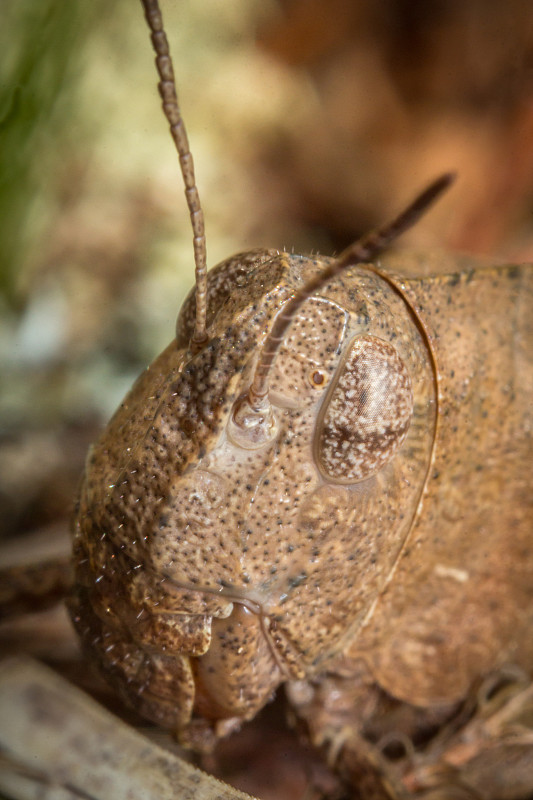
(253, 423)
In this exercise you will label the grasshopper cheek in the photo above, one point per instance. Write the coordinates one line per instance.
(367, 414)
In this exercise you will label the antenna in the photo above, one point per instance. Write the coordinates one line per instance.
(253, 413)
(167, 90)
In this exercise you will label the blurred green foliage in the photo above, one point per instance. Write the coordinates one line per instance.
(41, 55)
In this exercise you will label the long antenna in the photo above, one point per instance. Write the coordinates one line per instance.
(364, 250)
(167, 90)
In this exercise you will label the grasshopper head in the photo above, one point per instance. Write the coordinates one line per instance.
(212, 566)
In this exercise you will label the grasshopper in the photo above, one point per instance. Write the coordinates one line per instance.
(323, 483)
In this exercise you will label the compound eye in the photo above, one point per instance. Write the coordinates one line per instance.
(367, 413)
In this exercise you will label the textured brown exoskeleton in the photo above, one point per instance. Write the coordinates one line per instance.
(325, 483)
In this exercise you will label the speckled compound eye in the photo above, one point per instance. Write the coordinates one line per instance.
(367, 412)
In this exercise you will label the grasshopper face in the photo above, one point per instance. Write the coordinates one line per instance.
(211, 569)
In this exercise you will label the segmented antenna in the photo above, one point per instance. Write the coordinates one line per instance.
(167, 90)
(366, 249)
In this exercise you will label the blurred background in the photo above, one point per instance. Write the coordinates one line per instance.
(310, 121)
